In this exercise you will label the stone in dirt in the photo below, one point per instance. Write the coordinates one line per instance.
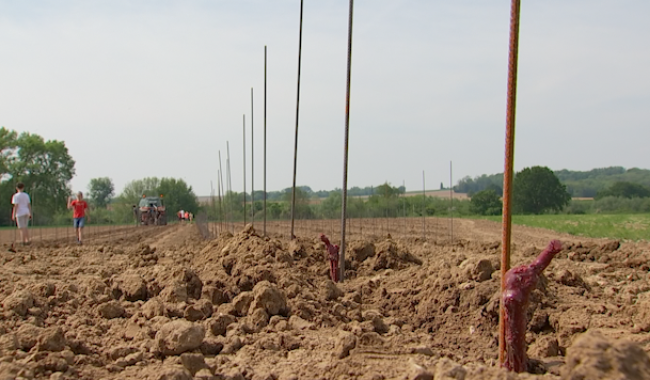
(390, 257)
(449, 370)
(27, 335)
(211, 346)
(19, 302)
(255, 322)
(232, 346)
(153, 308)
(202, 309)
(268, 297)
(482, 271)
(545, 346)
(594, 357)
(131, 285)
(344, 344)
(174, 373)
(175, 293)
(298, 323)
(568, 278)
(110, 310)
(419, 373)
(214, 295)
(330, 292)
(8, 342)
(361, 250)
(51, 339)
(219, 324)
(204, 374)
(242, 303)
(179, 336)
(610, 247)
(193, 362)
(194, 284)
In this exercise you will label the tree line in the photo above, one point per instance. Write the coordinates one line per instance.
(46, 168)
(579, 184)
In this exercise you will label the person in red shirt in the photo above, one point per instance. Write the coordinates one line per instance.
(79, 207)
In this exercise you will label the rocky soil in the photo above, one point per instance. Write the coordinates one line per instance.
(167, 304)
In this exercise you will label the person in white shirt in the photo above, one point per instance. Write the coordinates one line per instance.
(22, 211)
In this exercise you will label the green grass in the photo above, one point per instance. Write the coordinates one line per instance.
(613, 226)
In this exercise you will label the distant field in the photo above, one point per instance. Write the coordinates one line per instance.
(615, 226)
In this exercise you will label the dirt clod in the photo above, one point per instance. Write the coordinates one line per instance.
(592, 356)
(179, 336)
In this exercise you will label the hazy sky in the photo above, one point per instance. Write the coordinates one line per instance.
(156, 88)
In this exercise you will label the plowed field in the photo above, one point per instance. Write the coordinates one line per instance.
(164, 303)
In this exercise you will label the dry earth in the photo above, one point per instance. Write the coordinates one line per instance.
(163, 303)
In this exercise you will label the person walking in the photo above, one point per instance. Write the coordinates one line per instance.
(22, 211)
(79, 207)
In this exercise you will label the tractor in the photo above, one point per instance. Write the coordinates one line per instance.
(151, 211)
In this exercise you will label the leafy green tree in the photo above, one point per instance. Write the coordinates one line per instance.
(537, 190)
(46, 168)
(625, 190)
(303, 211)
(177, 196)
(330, 208)
(486, 202)
(387, 191)
(7, 149)
(101, 191)
(134, 190)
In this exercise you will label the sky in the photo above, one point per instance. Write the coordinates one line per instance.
(158, 88)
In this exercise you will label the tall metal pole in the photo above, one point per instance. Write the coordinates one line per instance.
(223, 193)
(244, 144)
(220, 202)
(451, 201)
(252, 166)
(229, 188)
(424, 208)
(295, 147)
(265, 140)
(509, 164)
(232, 224)
(344, 189)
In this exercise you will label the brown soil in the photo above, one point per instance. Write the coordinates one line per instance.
(163, 303)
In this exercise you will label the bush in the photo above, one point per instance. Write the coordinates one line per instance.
(486, 202)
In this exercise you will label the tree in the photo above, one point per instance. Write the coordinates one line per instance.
(7, 149)
(46, 168)
(330, 208)
(386, 191)
(176, 193)
(303, 211)
(537, 189)
(625, 190)
(101, 191)
(486, 202)
(134, 190)
(177, 196)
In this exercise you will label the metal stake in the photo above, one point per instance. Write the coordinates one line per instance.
(451, 201)
(244, 145)
(295, 147)
(223, 194)
(265, 140)
(252, 166)
(424, 209)
(509, 165)
(229, 181)
(344, 189)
